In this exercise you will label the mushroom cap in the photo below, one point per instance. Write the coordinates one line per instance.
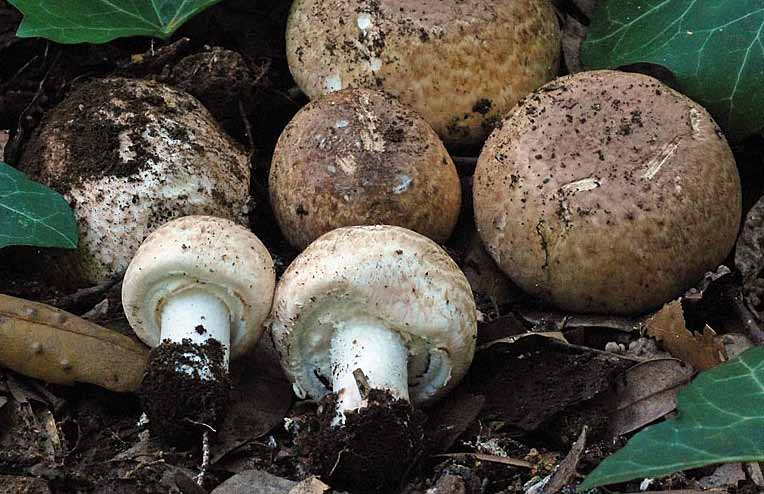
(358, 157)
(390, 275)
(201, 251)
(129, 155)
(462, 64)
(607, 192)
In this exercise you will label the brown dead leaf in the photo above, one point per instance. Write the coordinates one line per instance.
(46, 343)
(702, 351)
(647, 392)
(311, 485)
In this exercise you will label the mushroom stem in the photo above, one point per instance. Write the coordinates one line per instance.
(381, 356)
(199, 316)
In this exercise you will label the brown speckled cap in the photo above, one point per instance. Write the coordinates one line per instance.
(130, 155)
(607, 192)
(196, 252)
(462, 64)
(359, 157)
(392, 275)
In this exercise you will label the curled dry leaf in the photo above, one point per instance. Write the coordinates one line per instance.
(702, 351)
(647, 392)
(46, 343)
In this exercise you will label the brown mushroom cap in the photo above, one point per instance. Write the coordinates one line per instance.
(359, 157)
(129, 155)
(462, 64)
(607, 192)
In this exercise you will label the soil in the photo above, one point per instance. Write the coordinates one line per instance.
(185, 391)
(373, 451)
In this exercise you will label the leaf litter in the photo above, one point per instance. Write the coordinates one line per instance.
(560, 385)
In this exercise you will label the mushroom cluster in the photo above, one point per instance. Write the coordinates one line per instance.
(607, 192)
(379, 316)
(462, 64)
(198, 291)
(130, 155)
(359, 157)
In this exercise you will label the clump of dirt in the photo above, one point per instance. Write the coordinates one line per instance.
(90, 122)
(372, 451)
(185, 389)
(219, 78)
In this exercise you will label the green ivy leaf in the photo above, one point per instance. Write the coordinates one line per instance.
(99, 21)
(715, 48)
(721, 420)
(32, 214)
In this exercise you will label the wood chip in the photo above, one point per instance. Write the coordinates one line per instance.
(702, 351)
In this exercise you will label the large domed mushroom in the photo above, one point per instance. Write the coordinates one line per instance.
(130, 155)
(358, 157)
(462, 64)
(607, 192)
(373, 309)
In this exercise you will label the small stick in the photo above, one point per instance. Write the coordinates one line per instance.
(205, 458)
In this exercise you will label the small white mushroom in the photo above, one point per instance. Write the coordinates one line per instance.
(374, 307)
(196, 280)
(200, 278)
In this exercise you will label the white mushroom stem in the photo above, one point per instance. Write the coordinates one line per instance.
(366, 355)
(196, 315)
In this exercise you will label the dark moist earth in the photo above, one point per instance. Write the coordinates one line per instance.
(372, 451)
(527, 400)
(179, 404)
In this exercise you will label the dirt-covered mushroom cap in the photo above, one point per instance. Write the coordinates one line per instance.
(359, 157)
(130, 155)
(206, 253)
(462, 64)
(383, 275)
(607, 192)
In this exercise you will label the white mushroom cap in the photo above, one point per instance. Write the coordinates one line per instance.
(387, 274)
(197, 252)
(130, 155)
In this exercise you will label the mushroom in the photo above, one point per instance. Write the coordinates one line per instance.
(358, 157)
(462, 64)
(607, 192)
(198, 291)
(381, 317)
(130, 155)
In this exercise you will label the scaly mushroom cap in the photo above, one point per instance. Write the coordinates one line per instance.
(607, 192)
(129, 155)
(390, 275)
(358, 157)
(461, 64)
(201, 252)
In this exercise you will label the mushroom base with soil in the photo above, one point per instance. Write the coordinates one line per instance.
(186, 389)
(372, 450)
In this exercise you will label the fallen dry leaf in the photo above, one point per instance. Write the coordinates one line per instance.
(260, 401)
(726, 475)
(647, 392)
(311, 485)
(46, 343)
(449, 420)
(702, 351)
